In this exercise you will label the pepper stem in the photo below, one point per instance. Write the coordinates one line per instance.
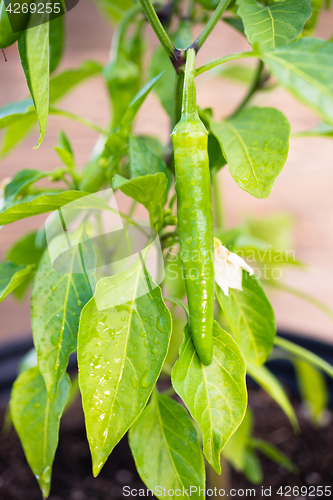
(189, 107)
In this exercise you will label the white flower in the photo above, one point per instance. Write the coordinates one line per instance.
(228, 268)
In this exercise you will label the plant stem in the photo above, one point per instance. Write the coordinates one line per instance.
(79, 119)
(253, 88)
(179, 303)
(118, 39)
(218, 203)
(189, 103)
(222, 60)
(304, 354)
(302, 295)
(177, 56)
(179, 96)
(197, 44)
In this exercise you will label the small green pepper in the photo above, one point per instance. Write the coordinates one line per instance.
(195, 216)
(19, 21)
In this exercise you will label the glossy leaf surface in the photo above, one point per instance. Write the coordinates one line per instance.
(165, 447)
(215, 395)
(123, 341)
(255, 144)
(37, 420)
(251, 319)
(34, 205)
(56, 303)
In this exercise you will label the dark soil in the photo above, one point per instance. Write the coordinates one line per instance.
(312, 452)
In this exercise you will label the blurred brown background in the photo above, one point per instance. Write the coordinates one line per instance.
(304, 188)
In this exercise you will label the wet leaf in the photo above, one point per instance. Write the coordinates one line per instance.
(215, 395)
(37, 420)
(123, 341)
(165, 447)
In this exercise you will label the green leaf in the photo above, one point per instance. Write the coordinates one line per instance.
(144, 161)
(149, 190)
(235, 449)
(252, 468)
(56, 41)
(275, 24)
(305, 355)
(239, 73)
(56, 304)
(255, 144)
(25, 252)
(121, 350)
(37, 420)
(21, 181)
(34, 205)
(64, 150)
(12, 276)
(305, 69)
(265, 378)
(313, 389)
(17, 131)
(117, 141)
(165, 447)
(216, 394)
(321, 130)
(33, 47)
(11, 113)
(251, 318)
(274, 454)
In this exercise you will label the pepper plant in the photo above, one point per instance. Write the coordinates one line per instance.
(197, 333)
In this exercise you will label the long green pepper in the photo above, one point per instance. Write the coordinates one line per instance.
(195, 215)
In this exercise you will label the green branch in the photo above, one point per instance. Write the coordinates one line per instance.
(222, 60)
(198, 43)
(253, 88)
(78, 119)
(177, 56)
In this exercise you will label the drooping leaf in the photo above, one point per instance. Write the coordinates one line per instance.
(56, 41)
(305, 69)
(313, 389)
(216, 394)
(57, 300)
(265, 378)
(37, 420)
(33, 47)
(251, 319)
(149, 190)
(255, 144)
(21, 181)
(305, 355)
(20, 117)
(144, 161)
(165, 447)
(12, 276)
(34, 205)
(275, 24)
(123, 341)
